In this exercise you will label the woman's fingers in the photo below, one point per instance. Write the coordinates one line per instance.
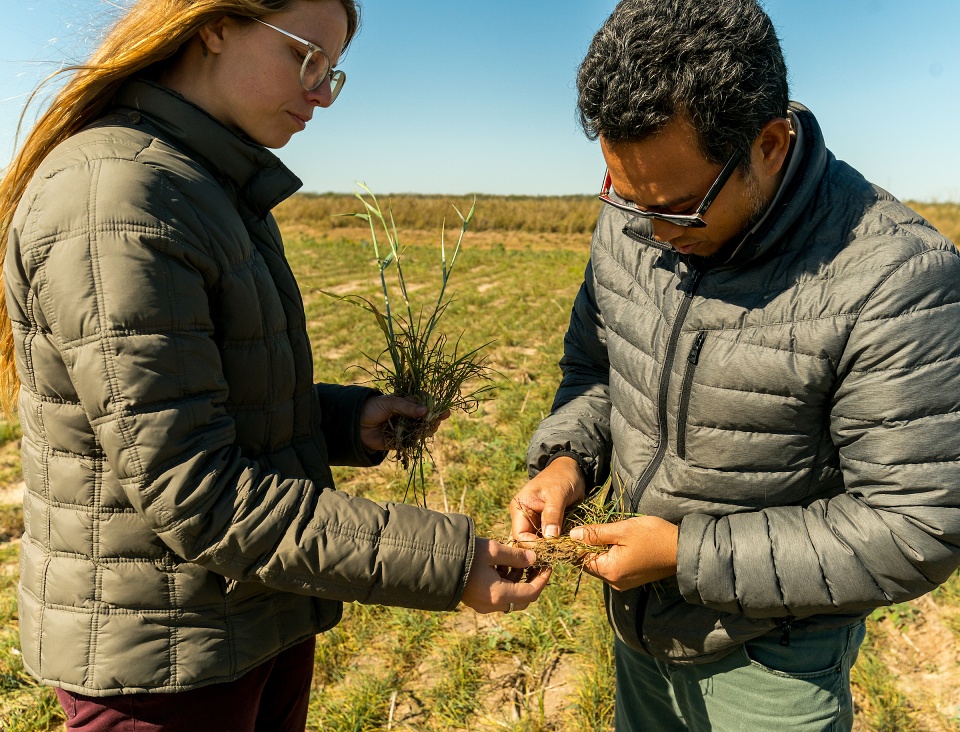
(502, 555)
(500, 580)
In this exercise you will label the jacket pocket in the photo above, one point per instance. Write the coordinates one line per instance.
(625, 615)
(693, 358)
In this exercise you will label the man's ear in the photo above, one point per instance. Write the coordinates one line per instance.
(211, 35)
(771, 147)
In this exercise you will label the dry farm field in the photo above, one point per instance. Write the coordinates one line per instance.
(545, 669)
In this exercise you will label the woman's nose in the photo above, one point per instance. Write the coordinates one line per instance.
(321, 96)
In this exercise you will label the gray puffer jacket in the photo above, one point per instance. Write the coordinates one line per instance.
(180, 511)
(796, 410)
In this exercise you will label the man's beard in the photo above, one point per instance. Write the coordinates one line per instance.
(758, 207)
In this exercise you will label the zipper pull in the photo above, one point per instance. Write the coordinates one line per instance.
(694, 358)
(689, 283)
(785, 625)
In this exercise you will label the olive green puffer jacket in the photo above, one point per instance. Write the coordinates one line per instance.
(181, 520)
(795, 409)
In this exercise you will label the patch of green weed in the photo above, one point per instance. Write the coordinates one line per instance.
(885, 707)
(900, 615)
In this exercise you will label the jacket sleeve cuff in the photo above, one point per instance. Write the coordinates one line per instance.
(693, 529)
(587, 467)
(467, 565)
(538, 461)
(340, 408)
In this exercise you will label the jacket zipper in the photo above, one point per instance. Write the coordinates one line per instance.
(785, 626)
(692, 360)
(689, 289)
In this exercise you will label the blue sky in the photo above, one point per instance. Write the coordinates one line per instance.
(456, 97)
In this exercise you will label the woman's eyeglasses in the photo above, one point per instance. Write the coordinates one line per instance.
(316, 65)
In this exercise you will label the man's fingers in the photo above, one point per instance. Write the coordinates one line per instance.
(523, 529)
(552, 517)
(523, 520)
(594, 566)
(598, 534)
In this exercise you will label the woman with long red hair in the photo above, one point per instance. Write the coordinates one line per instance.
(184, 542)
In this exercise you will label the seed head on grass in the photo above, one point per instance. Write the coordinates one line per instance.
(419, 361)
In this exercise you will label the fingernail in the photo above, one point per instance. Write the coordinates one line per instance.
(551, 531)
(577, 534)
(530, 556)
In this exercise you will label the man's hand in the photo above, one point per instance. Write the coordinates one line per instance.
(378, 410)
(541, 503)
(495, 579)
(642, 549)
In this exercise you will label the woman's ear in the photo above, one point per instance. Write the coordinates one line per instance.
(211, 36)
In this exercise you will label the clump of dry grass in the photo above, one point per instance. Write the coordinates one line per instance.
(419, 361)
(564, 549)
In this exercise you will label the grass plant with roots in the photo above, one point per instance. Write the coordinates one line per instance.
(419, 360)
(605, 508)
(564, 549)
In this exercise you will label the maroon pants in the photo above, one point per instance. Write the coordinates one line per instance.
(273, 697)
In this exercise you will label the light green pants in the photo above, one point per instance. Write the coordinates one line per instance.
(759, 687)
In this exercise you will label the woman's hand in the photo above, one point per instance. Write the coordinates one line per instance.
(495, 583)
(378, 410)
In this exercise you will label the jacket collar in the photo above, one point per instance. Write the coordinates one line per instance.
(790, 202)
(256, 174)
(787, 206)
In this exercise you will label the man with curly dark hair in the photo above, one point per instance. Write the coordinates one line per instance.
(763, 356)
